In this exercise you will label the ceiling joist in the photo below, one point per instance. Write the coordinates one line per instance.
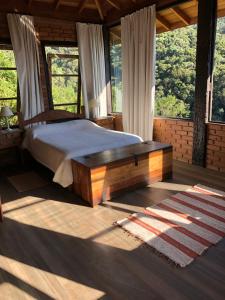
(165, 24)
(181, 15)
(100, 10)
(114, 4)
(81, 6)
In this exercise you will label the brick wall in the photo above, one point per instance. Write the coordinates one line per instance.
(178, 133)
(216, 147)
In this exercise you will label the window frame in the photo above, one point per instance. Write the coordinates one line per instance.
(48, 75)
(7, 42)
(211, 97)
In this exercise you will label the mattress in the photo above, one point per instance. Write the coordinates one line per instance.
(54, 145)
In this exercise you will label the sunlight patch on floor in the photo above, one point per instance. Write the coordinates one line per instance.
(43, 281)
(170, 186)
(21, 203)
(8, 289)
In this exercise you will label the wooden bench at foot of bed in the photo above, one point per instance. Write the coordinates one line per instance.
(101, 176)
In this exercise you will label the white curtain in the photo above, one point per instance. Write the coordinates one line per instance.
(138, 71)
(92, 66)
(25, 46)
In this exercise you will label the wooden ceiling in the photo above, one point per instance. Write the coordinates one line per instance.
(177, 16)
(171, 14)
(93, 11)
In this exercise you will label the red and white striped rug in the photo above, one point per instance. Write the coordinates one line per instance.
(183, 226)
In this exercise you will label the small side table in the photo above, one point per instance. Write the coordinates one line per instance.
(106, 122)
(10, 141)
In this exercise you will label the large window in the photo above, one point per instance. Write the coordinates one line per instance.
(175, 72)
(64, 77)
(116, 71)
(9, 93)
(218, 101)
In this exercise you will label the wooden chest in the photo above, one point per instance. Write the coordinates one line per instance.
(100, 176)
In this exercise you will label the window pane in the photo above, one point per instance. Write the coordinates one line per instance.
(116, 69)
(63, 62)
(70, 108)
(61, 50)
(8, 83)
(64, 89)
(175, 72)
(218, 103)
(7, 58)
(64, 65)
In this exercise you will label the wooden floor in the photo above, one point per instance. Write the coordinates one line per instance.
(53, 246)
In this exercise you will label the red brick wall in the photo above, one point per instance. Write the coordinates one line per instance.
(55, 30)
(178, 133)
(216, 147)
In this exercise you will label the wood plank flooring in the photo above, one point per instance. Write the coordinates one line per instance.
(53, 246)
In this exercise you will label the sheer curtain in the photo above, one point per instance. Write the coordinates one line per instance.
(138, 71)
(92, 66)
(25, 48)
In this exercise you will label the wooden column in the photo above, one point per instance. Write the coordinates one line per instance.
(207, 16)
(106, 38)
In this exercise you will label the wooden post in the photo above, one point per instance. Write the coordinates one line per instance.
(106, 38)
(207, 17)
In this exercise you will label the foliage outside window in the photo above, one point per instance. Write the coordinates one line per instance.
(64, 75)
(175, 72)
(116, 69)
(218, 101)
(9, 94)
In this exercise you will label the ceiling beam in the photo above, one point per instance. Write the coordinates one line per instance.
(181, 15)
(114, 4)
(99, 7)
(163, 22)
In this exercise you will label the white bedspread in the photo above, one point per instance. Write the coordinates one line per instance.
(54, 145)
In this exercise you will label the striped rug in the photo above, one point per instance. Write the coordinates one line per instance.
(183, 226)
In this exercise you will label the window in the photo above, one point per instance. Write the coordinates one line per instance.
(116, 68)
(175, 72)
(64, 77)
(218, 101)
(9, 92)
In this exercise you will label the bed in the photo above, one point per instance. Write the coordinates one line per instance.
(55, 144)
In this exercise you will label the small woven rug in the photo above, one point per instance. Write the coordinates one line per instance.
(183, 226)
(27, 181)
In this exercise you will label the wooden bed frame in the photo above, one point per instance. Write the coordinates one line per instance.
(50, 116)
(101, 176)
